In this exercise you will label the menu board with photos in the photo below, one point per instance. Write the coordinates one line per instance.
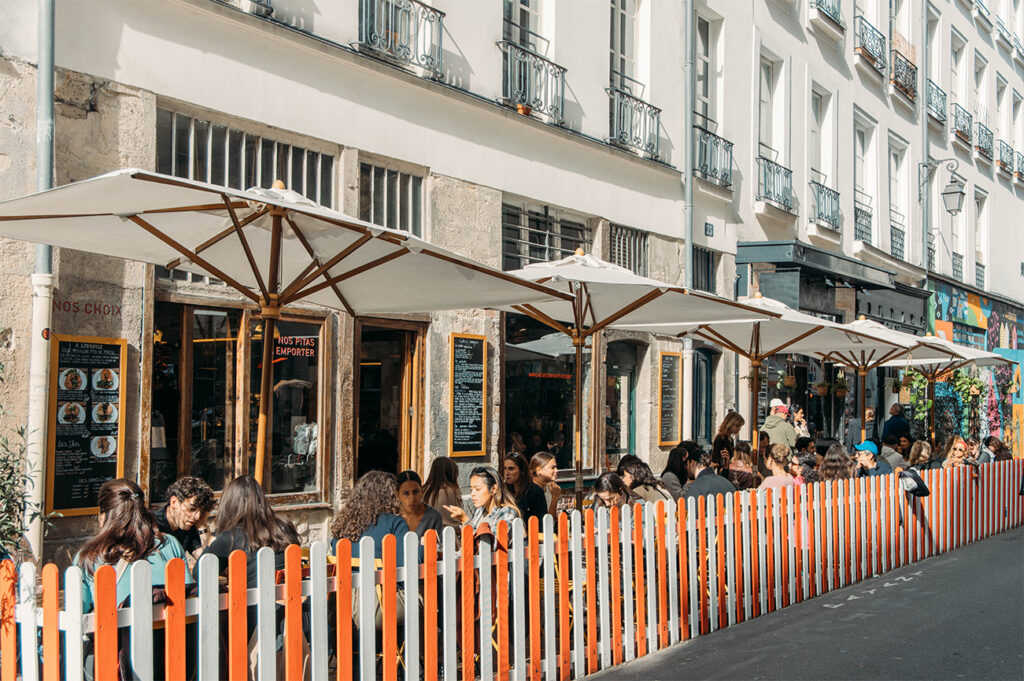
(86, 433)
(669, 398)
(468, 395)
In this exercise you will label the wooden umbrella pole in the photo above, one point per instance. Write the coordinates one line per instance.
(266, 389)
(578, 339)
(755, 389)
(931, 409)
(862, 374)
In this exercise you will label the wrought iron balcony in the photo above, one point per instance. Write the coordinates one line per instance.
(961, 123)
(1005, 158)
(830, 8)
(904, 75)
(897, 242)
(532, 82)
(936, 102)
(826, 205)
(931, 258)
(1018, 47)
(1002, 32)
(1019, 167)
(870, 44)
(983, 144)
(862, 223)
(979, 275)
(958, 266)
(633, 122)
(774, 183)
(712, 156)
(406, 31)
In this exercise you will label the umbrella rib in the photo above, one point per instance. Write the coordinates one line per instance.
(718, 338)
(194, 257)
(306, 278)
(316, 261)
(534, 313)
(347, 275)
(200, 208)
(245, 247)
(218, 237)
(799, 338)
(635, 305)
(498, 274)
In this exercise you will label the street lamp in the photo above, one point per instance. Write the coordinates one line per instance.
(953, 195)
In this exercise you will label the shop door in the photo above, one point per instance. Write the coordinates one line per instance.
(390, 389)
(619, 416)
(703, 396)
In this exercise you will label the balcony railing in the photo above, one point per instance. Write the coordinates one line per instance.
(712, 156)
(962, 123)
(774, 183)
(979, 275)
(904, 75)
(862, 223)
(1019, 167)
(634, 122)
(870, 44)
(404, 30)
(531, 82)
(1003, 32)
(931, 258)
(958, 266)
(826, 205)
(936, 102)
(897, 242)
(1005, 158)
(983, 144)
(830, 8)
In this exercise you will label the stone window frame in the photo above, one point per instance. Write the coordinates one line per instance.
(353, 203)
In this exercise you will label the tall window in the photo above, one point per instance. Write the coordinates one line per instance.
(622, 71)
(814, 135)
(198, 149)
(390, 198)
(980, 229)
(897, 203)
(704, 269)
(704, 109)
(1015, 133)
(956, 69)
(627, 247)
(522, 24)
(766, 102)
(540, 234)
(1004, 128)
(980, 89)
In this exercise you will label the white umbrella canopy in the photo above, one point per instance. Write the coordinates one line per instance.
(273, 246)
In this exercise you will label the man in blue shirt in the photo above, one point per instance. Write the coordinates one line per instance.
(897, 424)
(868, 462)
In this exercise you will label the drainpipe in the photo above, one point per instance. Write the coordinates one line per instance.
(42, 292)
(923, 165)
(688, 48)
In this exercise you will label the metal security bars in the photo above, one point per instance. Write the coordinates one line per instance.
(983, 143)
(979, 276)
(531, 82)
(958, 266)
(774, 183)
(539, 234)
(196, 149)
(962, 123)
(862, 224)
(897, 242)
(826, 205)
(831, 9)
(391, 198)
(931, 258)
(712, 156)
(936, 101)
(627, 247)
(1019, 167)
(406, 31)
(904, 75)
(870, 43)
(634, 122)
(1006, 157)
(703, 269)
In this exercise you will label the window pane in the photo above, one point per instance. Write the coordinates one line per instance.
(365, 191)
(298, 182)
(164, 136)
(166, 399)
(217, 154)
(281, 173)
(200, 167)
(416, 197)
(403, 214)
(235, 159)
(251, 145)
(378, 196)
(311, 175)
(182, 145)
(214, 346)
(293, 410)
(327, 181)
(267, 148)
(393, 200)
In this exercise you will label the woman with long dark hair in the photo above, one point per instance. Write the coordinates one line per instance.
(127, 533)
(371, 510)
(528, 494)
(441, 489)
(419, 516)
(492, 502)
(837, 464)
(638, 477)
(675, 476)
(726, 437)
(609, 490)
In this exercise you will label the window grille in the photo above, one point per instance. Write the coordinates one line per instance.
(539, 234)
(703, 269)
(390, 198)
(628, 248)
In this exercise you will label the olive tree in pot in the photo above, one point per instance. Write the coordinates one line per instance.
(15, 481)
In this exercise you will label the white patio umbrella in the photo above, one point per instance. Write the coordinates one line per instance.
(603, 294)
(790, 331)
(936, 369)
(273, 246)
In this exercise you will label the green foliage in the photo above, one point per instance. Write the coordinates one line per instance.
(919, 402)
(15, 479)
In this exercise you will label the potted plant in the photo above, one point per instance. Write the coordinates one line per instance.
(908, 379)
(789, 380)
(894, 384)
(822, 387)
(840, 388)
(524, 109)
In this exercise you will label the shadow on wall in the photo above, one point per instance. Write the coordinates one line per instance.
(295, 13)
(457, 71)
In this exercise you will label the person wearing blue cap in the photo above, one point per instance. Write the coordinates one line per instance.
(868, 461)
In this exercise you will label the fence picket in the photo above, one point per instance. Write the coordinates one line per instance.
(502, 601)
(366, 616)
(650, 576)
(739, 564)
(449, 585)
(208, 619)
(175, 646)
(757, 550)
(8, 630)
(562, 581)
(28, 618)
(318, 610)
(639, 583)
(579, 585)
(266, 615)
(485, 648)
(105, 623)
(51, 623)
(519, 596)
(534, 591)
(730, 560)
(785, 544)
(672, 545)
(615, 583)
(411, 586)
(720, 569)
(604, 604)
(467, 595)
(591, 612)
(343, 607)
(548, 569)
(293, 636)
(702, 562)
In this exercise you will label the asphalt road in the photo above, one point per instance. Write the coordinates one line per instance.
(955, 616)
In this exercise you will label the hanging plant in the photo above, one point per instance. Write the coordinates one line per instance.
(918, 393)
(840, 388)
(966, 386)
(822, 387)
(908, 379)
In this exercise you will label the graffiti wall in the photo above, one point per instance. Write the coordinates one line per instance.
(971, 319)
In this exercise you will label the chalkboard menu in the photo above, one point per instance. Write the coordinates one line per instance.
(468, 395)
(670, 398)
(86, 433)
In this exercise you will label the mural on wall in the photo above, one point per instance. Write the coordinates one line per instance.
(960, 315)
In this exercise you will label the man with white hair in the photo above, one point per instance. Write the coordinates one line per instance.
(780, 431)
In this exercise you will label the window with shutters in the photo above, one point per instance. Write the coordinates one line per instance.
(533, 233)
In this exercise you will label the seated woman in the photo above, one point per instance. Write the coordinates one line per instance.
(442, 488)
(638, 477)
(544, 471)
(837, 465)
(419, 516)
(674, 476)
(609, 490)
(492, 502)
(777, 459)
(920, 455)
(956, 453)
(128, 533)
(528, 494)
(741, 468)
(371, 510)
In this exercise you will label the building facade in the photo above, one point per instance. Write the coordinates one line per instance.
(510, 131)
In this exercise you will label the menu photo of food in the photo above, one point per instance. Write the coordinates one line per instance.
(104, 412)
(105, 379)
(71, 413)
(103, 446)
(72, 379)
